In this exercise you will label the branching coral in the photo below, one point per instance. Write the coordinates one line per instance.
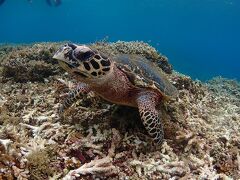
(175, 169)
(102, 166)
(98, 166)
(202, 129)
(5, 143)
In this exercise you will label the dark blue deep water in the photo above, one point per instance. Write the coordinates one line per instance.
(201, 38)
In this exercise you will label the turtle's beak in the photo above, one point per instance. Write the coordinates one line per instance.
(64, 57)
(63, 53)
(58, 56)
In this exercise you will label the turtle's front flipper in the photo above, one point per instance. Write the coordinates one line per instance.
(150, 117)
(73, 96)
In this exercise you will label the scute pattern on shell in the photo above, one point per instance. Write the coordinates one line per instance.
(145, 73)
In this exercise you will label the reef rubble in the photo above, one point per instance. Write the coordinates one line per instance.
(97, 139)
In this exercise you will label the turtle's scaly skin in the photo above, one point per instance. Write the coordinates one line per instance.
(125, 80)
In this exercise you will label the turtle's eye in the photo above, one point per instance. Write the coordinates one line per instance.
(73, 46)
(83, 56)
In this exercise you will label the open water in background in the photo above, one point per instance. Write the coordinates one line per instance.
(201, 38)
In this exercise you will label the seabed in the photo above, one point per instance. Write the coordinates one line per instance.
(96, 139)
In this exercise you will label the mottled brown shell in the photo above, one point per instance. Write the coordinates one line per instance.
(144, 73)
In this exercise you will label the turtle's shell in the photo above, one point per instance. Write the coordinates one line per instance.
(144, 73)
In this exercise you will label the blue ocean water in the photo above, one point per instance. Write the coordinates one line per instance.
(201, 38)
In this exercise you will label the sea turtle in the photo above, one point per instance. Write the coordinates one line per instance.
(129, 80)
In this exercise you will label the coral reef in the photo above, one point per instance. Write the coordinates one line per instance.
(96, 139)
(29, 63)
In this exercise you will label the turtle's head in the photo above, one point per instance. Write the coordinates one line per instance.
(83, 62)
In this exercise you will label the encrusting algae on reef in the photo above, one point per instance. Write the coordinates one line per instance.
(97, 139)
